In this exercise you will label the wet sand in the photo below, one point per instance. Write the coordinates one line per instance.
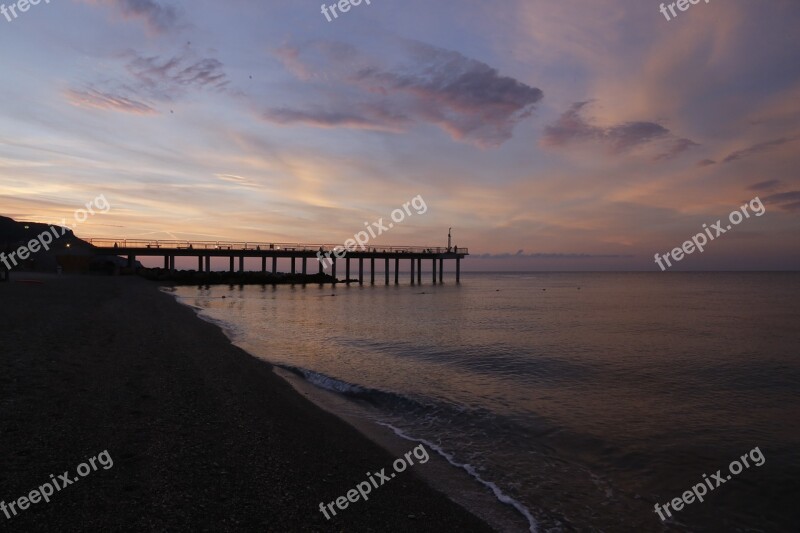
(203, 436)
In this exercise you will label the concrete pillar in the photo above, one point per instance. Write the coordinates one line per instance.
(434, 271)
(208, 263)
(419, 270)
(386, 270)
(360, 270)
(441, 270)
(231, 263)
(264, 264)
(347, 270)
(293, 267)
(372, 271)
(199, 263)
(305, 265)
(412, 271)
(241, 263)
(166, 262)
(458, 270)
(171, 264)
(274, 265)
(396, 270)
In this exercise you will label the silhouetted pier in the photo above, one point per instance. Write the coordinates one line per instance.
(205, 250)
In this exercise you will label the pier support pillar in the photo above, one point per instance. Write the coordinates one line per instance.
(412, 271)
(434, 271)
(172, 264)
(458, 270)
(372, 271)
(293, 267)
(360, 270)
(386, 270)
(264, 264)
(231, 263)
(321, 270)
(166, 262)
(208, 263)
(419, 270)
(441, 270)
(241, 263)
(274, 265)
(396, 270)
(347, 270)
(305, 266)
(200, 263)
(333, 268)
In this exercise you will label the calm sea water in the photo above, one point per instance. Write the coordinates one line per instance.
(580, 399)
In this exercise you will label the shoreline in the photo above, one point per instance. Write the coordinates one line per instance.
(455, 480)
(204, 436)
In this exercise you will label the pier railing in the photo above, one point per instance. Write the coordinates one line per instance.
(262, 246)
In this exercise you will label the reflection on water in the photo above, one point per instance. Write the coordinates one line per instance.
(584, 397)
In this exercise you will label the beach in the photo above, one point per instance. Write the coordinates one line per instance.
(203, 436)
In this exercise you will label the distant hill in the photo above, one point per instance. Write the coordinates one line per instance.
(15, 234)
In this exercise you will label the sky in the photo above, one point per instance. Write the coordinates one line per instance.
(550, 135)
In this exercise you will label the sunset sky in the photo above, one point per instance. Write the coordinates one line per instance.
(569, 135)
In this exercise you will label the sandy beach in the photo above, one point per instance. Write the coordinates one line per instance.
(203, 436)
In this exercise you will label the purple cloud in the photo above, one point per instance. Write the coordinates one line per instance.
(786, 201)
(159, 18)
(571, 127)
(465, 97)
(755, 149)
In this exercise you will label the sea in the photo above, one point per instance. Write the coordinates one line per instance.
(573, 401)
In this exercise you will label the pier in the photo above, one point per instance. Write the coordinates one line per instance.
(302, 257)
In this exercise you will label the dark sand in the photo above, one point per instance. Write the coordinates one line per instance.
(203, 436)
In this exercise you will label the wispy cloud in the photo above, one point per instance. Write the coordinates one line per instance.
(158, 17)
(572, 127)
(756, 149)
(148, 80)
(522, 255)
(107, 101)
(787, 201)
(767, 185)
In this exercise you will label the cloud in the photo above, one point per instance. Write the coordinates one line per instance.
(149, 80)
(465, 97)
(756, 149)
(103, 100)
(764, 185)
(522, 255)
(158, 18)
(678, 147)
(706, 163)
(571, 127)
(162, 78)
(787, 201)
(369, 118)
